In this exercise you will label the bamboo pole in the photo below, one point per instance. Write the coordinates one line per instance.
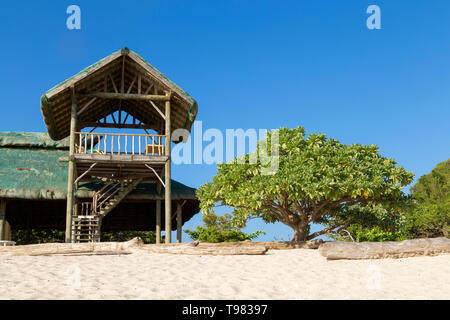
(2, 219)
(71, 169)
(179, 222)
(158, 221)
(127, 96)
(167, 187)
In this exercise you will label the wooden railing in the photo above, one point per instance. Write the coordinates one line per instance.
(119, 144)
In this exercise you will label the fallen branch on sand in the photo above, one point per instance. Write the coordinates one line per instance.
(133, 246)
(201, 248)
(313, 244)
(73, 248)
(390, 249)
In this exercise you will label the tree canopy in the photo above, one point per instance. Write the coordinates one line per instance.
(430, 217)
(318, 180)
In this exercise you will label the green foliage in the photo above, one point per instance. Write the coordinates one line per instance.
(55, 236)
(431, 215)
(148, 237)
(318, 180)
(37, 236)
(220, 229)
(213, 234)
(375, 234)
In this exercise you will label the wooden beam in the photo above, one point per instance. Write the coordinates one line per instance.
(158, 221)
(139, 83)
(179, 222)
(85, 173)
(125, 96)
(86, 105)
(157, 109)
(2, 219)
(71, 169)
(167, 177)
(116, 125)
(122, 82)
(156, 174)
(131, 86)
(149, 88)
(124, 158)
(114, 84)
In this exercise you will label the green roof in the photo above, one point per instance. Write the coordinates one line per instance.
(31, 140)
(30, 169)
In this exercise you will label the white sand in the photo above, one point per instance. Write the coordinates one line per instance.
(289, 274)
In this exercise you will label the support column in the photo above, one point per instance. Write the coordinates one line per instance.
(158, 221)
(179, 222)
(71, 169)
(167, 176)
(2, 219)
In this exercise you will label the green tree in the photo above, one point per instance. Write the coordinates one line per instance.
(220, 229)
(318, 180)
(431, 215)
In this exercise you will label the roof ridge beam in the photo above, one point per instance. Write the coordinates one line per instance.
(126, 96)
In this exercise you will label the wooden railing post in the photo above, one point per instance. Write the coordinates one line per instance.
(167, 187)
(154, 144)
(71, 169)
(179, 222)
(2, 219)
(158, 221)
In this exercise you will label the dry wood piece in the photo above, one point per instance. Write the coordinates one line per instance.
(133, 246)
(391, 249)
(314, 244)
(203, 249)
(73, 248)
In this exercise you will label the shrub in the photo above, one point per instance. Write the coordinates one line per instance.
(220, 229)
(147, 236)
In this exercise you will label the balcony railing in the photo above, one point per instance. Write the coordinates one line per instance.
(119, 144)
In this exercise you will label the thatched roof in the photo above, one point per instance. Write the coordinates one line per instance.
(30, 168)
(56, 103)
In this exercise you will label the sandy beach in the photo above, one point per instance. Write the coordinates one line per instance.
(279, 274)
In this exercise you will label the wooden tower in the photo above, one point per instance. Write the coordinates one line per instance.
(121, 91)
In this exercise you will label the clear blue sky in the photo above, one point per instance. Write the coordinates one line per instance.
(254, 64)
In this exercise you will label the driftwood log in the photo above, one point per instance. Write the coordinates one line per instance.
(390, 249)
(313, 244)
(73, 248)
(202, 248)
(133, 246)
(136, 245)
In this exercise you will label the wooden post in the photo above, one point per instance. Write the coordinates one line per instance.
(28, 235)
(2, 219)
(71, 169)
(179, 222)
(167, 187)
(158, 221)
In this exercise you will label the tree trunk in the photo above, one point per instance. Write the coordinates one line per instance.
(300, 232)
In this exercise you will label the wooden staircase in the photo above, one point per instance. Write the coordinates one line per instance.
(86, 227)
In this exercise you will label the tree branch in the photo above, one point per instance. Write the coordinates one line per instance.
(327, 230)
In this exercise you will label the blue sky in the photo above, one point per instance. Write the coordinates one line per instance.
(254, 64)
